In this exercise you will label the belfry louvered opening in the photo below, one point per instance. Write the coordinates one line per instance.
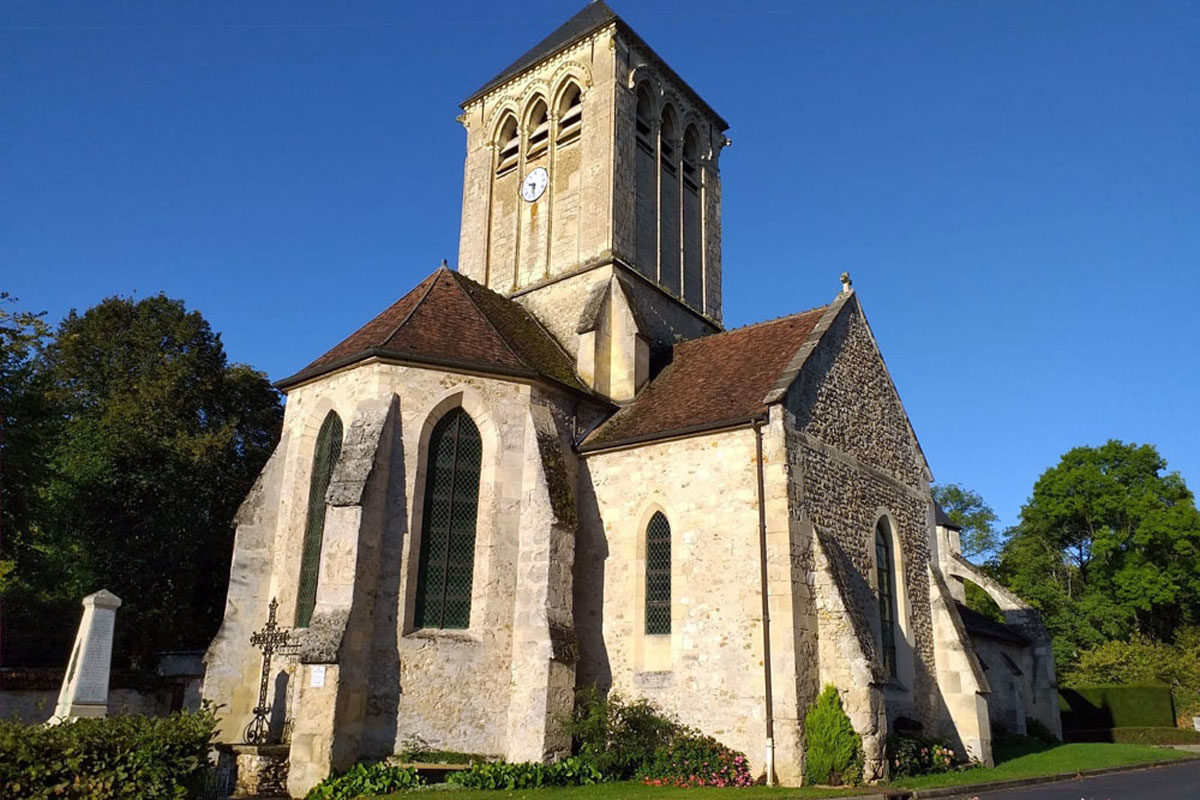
(658, 575)
(446, 564)
(325, 456)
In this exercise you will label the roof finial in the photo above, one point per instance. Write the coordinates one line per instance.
(445, 264)
(846, 282)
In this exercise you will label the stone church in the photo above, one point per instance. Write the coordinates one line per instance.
(554, 467)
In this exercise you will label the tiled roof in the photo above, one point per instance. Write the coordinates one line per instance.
(979, 625)
(593, 16)
(449, 320)
(722, 378)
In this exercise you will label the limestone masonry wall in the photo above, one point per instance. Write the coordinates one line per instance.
(708, 670)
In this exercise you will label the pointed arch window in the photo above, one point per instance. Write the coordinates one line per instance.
(658, 575)
(325, 456)
(446, 563)
(885, 571)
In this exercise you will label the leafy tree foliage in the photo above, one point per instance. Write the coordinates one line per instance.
(967, 509)
(156, 440)
(1108, 548)
(24, 417)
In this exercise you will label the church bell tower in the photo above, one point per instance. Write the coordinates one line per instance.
(591, 191)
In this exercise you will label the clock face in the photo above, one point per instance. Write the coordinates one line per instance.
(535, 184)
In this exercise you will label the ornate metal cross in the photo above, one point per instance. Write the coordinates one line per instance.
(271, 639)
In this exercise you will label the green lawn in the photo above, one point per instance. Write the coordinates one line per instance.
(1013, 762)
(1026, 762)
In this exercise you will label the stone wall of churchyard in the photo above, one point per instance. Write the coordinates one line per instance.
(451, 687)
(708, 670)
(852, 459)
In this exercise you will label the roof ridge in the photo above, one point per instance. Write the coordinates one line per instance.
(416, 305)
(758, 324)
(458, 279)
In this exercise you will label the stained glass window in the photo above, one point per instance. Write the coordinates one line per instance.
(887, 596)
(658, 575)
(447, 560)
(325, 456)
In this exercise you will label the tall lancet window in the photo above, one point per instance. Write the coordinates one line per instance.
(325, 456)
(447, 560)
(885, 571)
(658, 575)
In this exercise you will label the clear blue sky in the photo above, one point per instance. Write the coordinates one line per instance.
(1014, 186)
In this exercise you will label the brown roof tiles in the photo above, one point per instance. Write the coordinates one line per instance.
(717, 379)
(450, 320)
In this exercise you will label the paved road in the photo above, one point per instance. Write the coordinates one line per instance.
(1181, 782)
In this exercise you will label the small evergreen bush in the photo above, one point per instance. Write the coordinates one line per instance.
(106, 759)
(833, 755)
(617, 737)
(572, 771)
(692, 759)
(365, 780)
(915, 755)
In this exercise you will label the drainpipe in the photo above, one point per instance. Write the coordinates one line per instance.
(766, 609)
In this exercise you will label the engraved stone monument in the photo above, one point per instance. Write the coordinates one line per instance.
(84, 690)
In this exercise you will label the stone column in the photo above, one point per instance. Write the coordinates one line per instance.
(84, 690)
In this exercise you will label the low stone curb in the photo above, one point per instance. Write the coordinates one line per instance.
(1016, 783)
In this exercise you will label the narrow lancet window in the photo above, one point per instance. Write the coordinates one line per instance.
(325, 456)
(658, 575)
(887, 596)
(446, 565)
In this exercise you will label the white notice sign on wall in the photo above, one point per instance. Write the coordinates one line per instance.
(318, 675)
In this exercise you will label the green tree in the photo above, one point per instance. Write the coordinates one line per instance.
(1108, 547)
(159, 440)
(25, 418)
(967, 509)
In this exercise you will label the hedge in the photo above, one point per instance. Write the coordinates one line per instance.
(1165, 736)
(1104, 707)
(106, 759)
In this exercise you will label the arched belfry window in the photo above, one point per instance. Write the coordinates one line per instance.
(539, 129)
(658, 575)
(325, 456)
(508, 140)
(570, 115)
(886, 573)
(446, 564)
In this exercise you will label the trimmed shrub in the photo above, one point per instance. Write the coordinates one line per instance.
(1166, 736)
(365, 780)
(833, 755)
(616, 737)
(105, 759)
(692, 760)
(916, 755)
(572, 771)
(1094, 707)
(1187, 707)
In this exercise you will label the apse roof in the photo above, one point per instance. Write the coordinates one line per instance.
(451, 321)
(720, 379)
(979, 625)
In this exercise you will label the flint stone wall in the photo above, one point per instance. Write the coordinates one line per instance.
(852, 457)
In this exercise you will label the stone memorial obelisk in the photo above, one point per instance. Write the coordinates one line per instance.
(84, 691)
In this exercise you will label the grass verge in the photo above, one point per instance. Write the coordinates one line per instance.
(1025, 761)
